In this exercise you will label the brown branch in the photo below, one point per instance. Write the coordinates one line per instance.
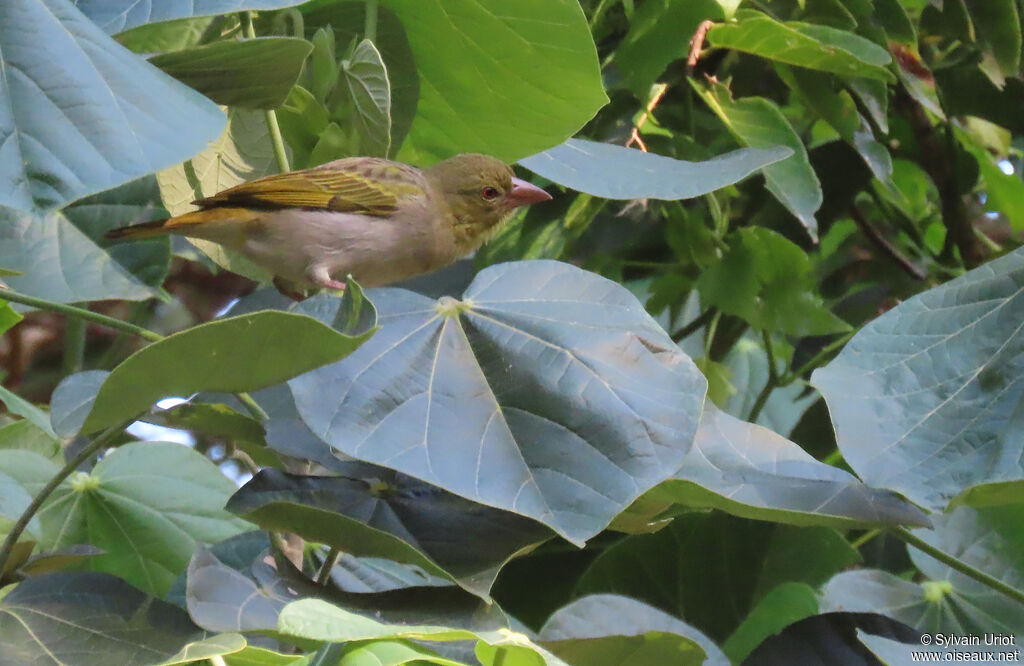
(879, 241)
(634, 136)
(696, 45)
(940, 166)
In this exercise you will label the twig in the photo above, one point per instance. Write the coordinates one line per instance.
(694, 326)
(634, 137)
(879, 241)
(696, 45)
(80, 313)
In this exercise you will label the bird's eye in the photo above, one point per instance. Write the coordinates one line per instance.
(490, 193)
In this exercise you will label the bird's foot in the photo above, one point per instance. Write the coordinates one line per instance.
(321, 278)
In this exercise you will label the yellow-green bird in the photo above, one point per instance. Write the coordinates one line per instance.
(380, 221)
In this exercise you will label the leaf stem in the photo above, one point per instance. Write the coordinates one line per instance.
(816, 360)
(324, 574)
(101, 440)
(695, 325)
(74, 345)
(959, 565)
(709, 336)
(370, 26)
(276, 140)
(80, 313)
(864, 538)
(252, 406)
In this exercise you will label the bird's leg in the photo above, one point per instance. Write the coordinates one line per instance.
(319, 276)
(289, 289)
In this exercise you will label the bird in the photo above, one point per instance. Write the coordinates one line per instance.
(378, 220)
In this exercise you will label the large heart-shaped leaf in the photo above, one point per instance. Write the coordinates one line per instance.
(236, 354)
(365, 87)
(117, 15)
(84, 114)
(147, 505)
(408, 521)
(95, 619)
(613, 172)
(533, 81)
(926, 399)
(59, 262)
(547, 391)
(750, 471)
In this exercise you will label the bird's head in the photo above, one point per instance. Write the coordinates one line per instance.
(481, 191)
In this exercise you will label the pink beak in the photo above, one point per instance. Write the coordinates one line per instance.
(524, 194)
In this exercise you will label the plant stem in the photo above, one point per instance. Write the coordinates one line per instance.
(74, 345)
(709, 336)
(324, 574)
(598, 13)
(959, 565)
(864, 538)
(370, 26)
(773, 374)
(816, 360)
(276, 140)
(79, 313)
(762, 400)
(694, 326)
(101, 440)
(252, 406)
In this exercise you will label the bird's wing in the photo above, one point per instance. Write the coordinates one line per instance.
(355, 185)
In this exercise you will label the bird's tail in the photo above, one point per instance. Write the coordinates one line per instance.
(137, 231)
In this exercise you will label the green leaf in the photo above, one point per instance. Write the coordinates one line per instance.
(17, 405)
(94, 619)
(405, 521)
(965, 91)
(117, 15)
(252, 73)
(26, 436)
(219, 421)
(656, 38)
(711, 555)
(173, 35)
(8, 317)
(72, 401)
(758, 123)
(318, 620)
(750, 471)
(998, 25)
(609, 630)
(505, 79)
(391, 653)
(542, 373)
(769, 282)
(892, 16)
(241, 353)
(365, 88)
(256, 656)
(803, 44)
(613, 172)
(243, 152)
(926, 399)
(147, 505)
(14, 499)
(333, 143)
(59, 262)
(782, 606)
(989, 539)
(84, 114)
(1004, 192)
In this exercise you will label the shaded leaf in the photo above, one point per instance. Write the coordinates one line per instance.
(252, 73)
(769, 282)
(367, 91)
(782, 606)
(926, 399)
(236, 354)
(613, 172)
(405, 521)
(606, 629)
(758, 123)
(85, 114)
(17, 405)
(26, 436)
(8, 317)
(998, 26)
(147, 505)
(72, 400)
(542, 375)
(391, 653)
(747, 560)
(90, 619)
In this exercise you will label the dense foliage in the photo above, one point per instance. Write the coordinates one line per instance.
(748, 386)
